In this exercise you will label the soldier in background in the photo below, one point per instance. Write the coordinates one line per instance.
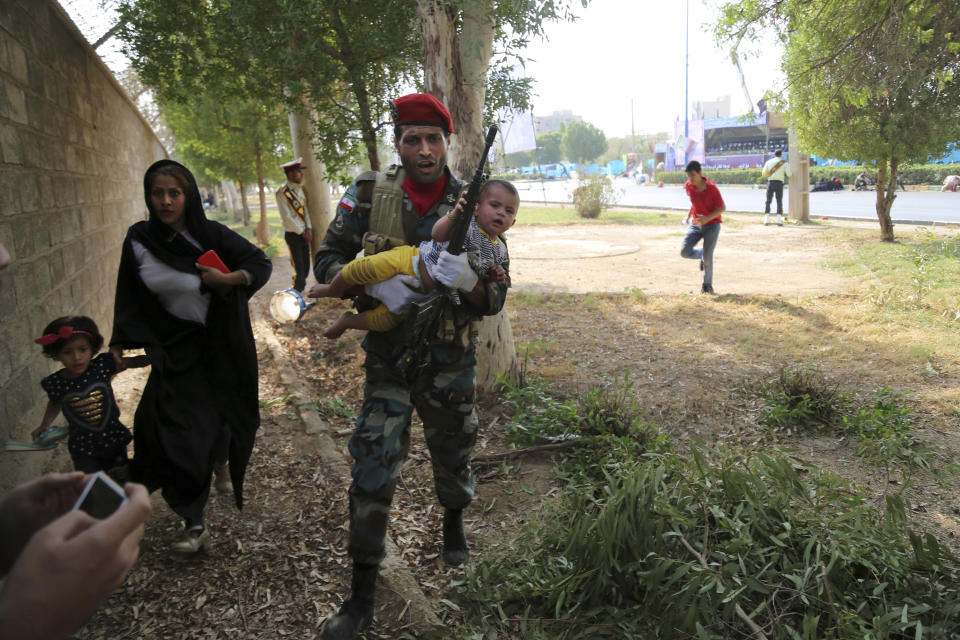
(296, 221)
(380, 211)
(776, 171)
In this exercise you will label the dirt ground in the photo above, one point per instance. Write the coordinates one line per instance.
(279, 568)
(749, 258)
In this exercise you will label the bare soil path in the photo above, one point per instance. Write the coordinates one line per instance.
(750, 258)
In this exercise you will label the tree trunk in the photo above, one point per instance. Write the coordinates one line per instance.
(885, 197)
(243, 203)
(455, 72)
(230, 200)
(367, 132)
(263, 231)
(496, 350)
(316, 189)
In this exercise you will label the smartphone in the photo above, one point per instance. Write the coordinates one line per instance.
(211, 259)
(101, 496)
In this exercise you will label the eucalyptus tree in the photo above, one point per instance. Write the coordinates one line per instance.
(470, 48)
(238, 140)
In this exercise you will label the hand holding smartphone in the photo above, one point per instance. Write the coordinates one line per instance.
(101, 496)
(211, 259)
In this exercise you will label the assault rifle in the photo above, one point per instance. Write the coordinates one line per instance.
(423, 320)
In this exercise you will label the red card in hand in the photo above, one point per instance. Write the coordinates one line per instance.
(211, 259)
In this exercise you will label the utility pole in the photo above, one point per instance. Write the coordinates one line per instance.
(686, 87)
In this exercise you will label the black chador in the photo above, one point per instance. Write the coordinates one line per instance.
(203, 382)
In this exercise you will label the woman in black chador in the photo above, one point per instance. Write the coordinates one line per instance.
(199, 406)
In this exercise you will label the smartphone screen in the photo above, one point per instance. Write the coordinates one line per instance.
(101, 497)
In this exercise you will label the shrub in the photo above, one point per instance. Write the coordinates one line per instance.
(594, 194)
(716, 544)
(800, 399)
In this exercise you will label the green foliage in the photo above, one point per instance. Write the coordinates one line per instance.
(718, 176)
(583, 142)
(884, 429)
(336, 62)
(672, 546)
(594, 194)
(541, 412)
(551, 147)
(335, 407)
(273, 402)
(800, 399)
(920, 276)
(546, 413)
(226, 139)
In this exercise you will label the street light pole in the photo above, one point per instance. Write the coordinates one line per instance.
(686, 87)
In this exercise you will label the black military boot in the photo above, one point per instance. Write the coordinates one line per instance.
(356, 614)
(455, 550)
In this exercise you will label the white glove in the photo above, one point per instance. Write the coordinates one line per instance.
(455, 272)
(398, 293)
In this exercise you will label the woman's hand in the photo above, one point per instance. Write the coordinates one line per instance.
(117, 353)
(213, 277)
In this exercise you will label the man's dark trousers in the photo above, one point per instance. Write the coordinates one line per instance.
(299, 257)
(774, 187)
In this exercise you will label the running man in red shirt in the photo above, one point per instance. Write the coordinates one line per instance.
(707, 205)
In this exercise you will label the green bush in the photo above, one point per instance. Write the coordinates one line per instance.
(594, 194)
(715, 545)
(800, 399)
(546, 413)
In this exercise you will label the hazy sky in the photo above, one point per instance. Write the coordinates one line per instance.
(623, 50)
(618, 51)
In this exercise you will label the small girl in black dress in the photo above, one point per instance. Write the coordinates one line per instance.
(97, 440)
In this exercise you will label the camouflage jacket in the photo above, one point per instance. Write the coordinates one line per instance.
(344, 239)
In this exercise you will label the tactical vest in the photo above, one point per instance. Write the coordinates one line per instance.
(392, 225)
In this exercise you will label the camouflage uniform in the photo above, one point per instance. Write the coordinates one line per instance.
(443, 394)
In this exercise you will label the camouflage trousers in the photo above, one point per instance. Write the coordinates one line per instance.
(444, 397)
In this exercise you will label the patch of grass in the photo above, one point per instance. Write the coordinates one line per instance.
(539, 215)
(802, 400)
(545, 300)
(273, 402)
(883, 431)
(335, 407)
(921, 273)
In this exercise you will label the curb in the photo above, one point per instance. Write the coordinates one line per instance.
(400, 599)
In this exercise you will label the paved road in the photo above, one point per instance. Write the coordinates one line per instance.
(910, 206)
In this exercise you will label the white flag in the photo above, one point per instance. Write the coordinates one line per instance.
(517, 132)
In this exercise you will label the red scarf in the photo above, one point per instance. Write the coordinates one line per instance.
(424, 196)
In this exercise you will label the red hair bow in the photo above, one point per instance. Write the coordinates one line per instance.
(63, 333)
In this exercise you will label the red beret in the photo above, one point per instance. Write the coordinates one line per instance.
(422, 109)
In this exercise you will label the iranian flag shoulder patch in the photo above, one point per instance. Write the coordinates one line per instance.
(347, 202)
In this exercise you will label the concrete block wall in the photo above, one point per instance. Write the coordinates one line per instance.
(73, 149)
